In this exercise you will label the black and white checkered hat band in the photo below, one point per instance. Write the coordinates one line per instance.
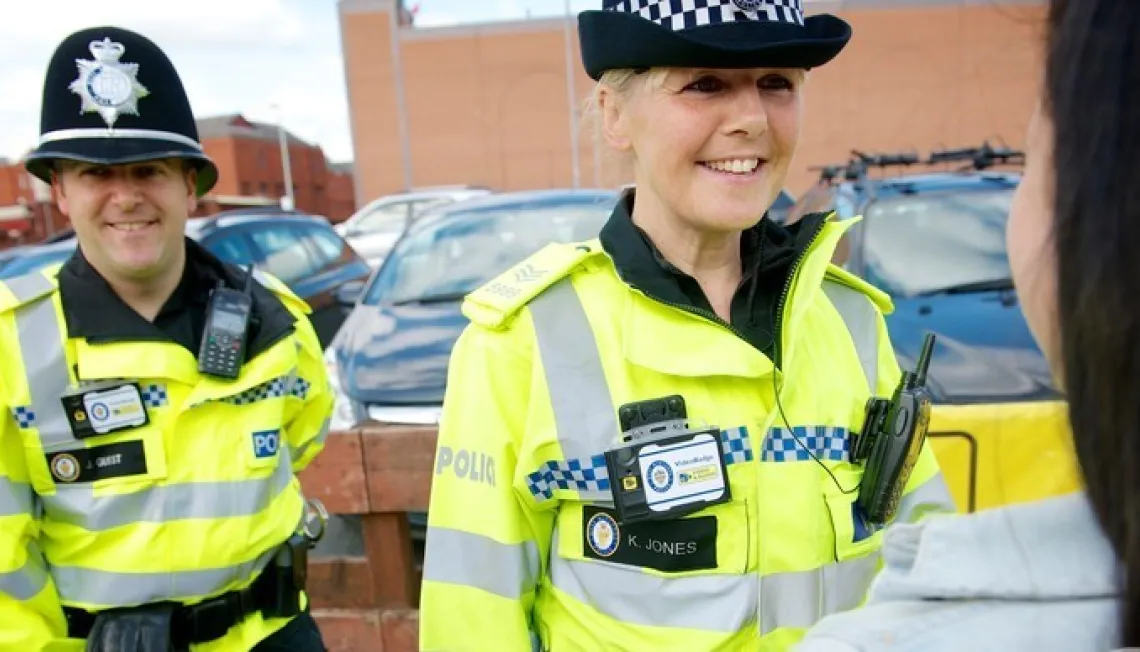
(686, 14)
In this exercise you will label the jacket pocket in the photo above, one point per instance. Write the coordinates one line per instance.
(715, 540)
(854, 537)
(650, 573)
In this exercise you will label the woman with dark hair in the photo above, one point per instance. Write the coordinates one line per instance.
(1060, 574)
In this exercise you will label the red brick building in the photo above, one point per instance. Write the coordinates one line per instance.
(250, 173)
(490, 103)
(250, 170)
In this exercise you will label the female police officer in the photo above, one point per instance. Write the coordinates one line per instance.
(690, 317)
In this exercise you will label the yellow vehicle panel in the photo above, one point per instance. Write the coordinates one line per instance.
(1002, 453)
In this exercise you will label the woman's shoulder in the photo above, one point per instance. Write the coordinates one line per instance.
(1035, 576)
(1076, 625)
(496, 304)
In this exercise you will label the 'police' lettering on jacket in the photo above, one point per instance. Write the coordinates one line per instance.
(466, 465)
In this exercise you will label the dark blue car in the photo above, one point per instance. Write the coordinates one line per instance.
(303, 251)
(389, 361)
(935, 241)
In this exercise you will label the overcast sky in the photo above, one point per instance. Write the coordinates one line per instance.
(235, 56)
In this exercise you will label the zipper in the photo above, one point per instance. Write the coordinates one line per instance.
(758, 446)
(776, 334)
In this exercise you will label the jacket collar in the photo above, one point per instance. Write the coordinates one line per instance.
(93, 311)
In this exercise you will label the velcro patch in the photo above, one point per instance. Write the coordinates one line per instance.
(266, 443)
(119, 460)
(672, 546)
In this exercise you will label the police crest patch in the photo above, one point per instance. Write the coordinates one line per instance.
(106, 85)
(65, 467)
(603, 534)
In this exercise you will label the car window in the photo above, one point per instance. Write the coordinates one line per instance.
(231, 247)
(329, 247)
(936, 241)
(387, 219)
(463, 250)
(284, 253)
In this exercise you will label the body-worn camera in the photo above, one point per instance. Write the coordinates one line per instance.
(664, 468)
(891, 439)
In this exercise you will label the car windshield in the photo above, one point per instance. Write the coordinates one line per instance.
(444, 259)
(938, 242)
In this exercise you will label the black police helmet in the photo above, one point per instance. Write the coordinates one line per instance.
(641, 34)
(112, 96)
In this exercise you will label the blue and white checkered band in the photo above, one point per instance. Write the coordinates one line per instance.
(686, 14)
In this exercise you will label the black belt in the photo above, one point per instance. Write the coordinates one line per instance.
(206, 621)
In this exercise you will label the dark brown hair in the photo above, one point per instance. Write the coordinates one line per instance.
(1093, 96)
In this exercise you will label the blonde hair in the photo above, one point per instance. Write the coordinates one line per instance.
(624, 83)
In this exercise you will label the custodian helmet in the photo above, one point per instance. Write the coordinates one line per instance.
(112, 96)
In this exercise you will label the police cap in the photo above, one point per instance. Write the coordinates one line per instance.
(641, 34)
(112, 96)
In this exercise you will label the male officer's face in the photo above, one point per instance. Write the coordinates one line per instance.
(129, 219)
(712, 147)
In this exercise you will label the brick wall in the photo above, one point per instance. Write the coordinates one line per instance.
(488, 104)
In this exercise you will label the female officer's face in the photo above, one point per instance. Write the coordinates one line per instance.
(711, 147)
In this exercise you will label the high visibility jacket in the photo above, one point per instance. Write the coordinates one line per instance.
(217, 493)
(517, 555)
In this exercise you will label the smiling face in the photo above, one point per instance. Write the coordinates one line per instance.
(129, 219)
(710, 147)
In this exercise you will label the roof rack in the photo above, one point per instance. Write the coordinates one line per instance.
(859, 165)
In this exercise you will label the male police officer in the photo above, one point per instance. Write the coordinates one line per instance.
(155, 403)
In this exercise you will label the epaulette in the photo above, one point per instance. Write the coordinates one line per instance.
(283, 292)
(844, 277)
(22, 290)
(495, 303)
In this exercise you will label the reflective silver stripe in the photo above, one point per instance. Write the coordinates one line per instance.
(105, 589)
(27, 581)
(579, 395)
(78, 505)
(800, 599)
(722, 603)
(457, 557)
(15, 498)
(45, 361)
(298, 453)
(146, 134)
(28, 286)
(862, 322)
(535, 643)
(930, 497)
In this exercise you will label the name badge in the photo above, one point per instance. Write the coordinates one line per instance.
(105, 409)
(683, 473)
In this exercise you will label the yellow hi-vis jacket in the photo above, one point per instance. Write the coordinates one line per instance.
(213, 503)
(518, 556)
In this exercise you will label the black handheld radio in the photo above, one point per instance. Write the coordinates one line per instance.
(892, 437)
(222, 351)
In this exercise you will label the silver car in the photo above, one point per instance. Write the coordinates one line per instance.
(372, 230)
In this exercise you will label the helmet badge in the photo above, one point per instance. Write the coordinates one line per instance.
(107, 86)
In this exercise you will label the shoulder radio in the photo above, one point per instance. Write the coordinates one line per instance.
(891, 439)
(222, 350)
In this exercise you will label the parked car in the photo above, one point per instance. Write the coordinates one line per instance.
(373, 230)
(388, 364)
(301, 250)
(935, 242)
